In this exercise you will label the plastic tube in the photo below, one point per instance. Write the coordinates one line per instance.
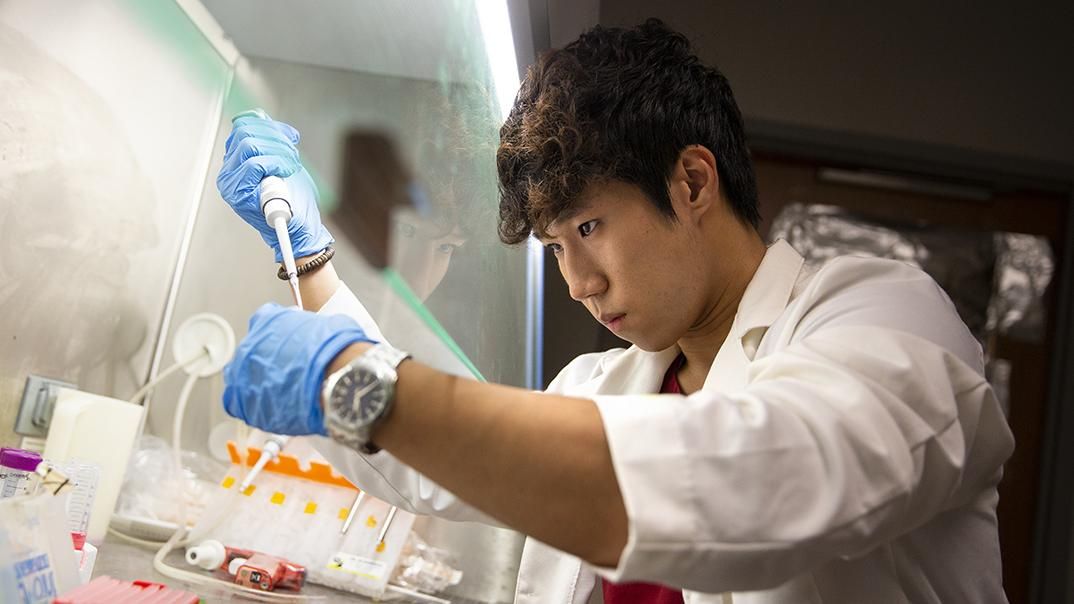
(144, 390)
(17, 475)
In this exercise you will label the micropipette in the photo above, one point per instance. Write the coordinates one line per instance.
(269, 452)
(277, 210)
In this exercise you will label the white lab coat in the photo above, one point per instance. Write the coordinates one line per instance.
(845, 448)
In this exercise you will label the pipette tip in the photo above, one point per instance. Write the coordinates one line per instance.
(292, 278)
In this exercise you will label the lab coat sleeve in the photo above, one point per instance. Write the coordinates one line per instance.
(382, 475)
(865, 425)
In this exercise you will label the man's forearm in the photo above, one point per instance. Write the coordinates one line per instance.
(537, 462)
(317, 287)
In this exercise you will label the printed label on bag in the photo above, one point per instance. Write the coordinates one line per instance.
(35, 580)
(366, 568)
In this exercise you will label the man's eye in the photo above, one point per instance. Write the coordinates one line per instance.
(587, 227)
(555, 248)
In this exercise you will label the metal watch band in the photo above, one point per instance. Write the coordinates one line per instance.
(386, 354)
(382, 356)
(392, 357)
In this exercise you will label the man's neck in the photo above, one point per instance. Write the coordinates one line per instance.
(703, 340)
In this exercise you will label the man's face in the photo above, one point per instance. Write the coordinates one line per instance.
(422, 252)
(634, 269)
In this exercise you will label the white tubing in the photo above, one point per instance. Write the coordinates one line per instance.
(144, 390)
(177, 426)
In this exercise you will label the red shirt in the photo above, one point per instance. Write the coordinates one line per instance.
(647, 593)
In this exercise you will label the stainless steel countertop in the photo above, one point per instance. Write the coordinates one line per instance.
(122, 560)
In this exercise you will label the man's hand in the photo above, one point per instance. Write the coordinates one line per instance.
(274, 381)
(260, 147)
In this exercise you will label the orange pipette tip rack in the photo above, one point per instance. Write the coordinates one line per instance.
(288, 465)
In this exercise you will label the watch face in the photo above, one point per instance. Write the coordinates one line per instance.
(361, 397)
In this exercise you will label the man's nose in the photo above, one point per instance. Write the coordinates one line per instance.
(583, 279)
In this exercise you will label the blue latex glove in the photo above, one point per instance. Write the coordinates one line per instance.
(260, 147)
(274, 381)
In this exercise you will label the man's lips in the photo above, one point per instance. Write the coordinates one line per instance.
(612, 321)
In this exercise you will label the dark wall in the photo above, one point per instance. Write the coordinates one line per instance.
(988, 76)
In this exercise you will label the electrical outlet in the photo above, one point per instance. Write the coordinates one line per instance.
(38, 401)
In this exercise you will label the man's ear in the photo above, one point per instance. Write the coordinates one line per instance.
(696, 181)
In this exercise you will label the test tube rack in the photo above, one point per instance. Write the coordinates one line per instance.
(295, 512)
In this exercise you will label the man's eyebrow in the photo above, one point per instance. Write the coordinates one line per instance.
(570, 212)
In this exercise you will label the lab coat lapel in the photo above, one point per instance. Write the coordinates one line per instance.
(764, 300)
(728, 371)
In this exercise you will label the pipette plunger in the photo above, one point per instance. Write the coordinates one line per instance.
(277, 211)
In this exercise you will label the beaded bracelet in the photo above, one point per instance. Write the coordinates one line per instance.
(311, 266)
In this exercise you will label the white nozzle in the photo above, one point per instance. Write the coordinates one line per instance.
(274, 445)
(234, 566)
(269, 452)
(274, 198)
(207, 554)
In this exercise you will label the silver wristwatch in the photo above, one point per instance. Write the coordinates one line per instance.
(360, 395)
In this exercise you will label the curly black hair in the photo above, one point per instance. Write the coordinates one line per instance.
(616, 104)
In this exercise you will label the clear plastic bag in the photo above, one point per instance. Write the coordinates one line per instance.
(425, 568)
(152, 481)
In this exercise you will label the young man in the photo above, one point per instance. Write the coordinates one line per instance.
(826, 435)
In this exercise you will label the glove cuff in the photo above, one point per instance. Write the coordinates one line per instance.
(307, 244)
(319, 367)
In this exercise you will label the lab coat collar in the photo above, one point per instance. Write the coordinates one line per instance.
(634, 371)
(769, 291)
(766, 297)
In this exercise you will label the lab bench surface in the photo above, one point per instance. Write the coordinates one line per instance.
(121, 560)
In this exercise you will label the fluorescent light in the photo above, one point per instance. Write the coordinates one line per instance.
(500, 48)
